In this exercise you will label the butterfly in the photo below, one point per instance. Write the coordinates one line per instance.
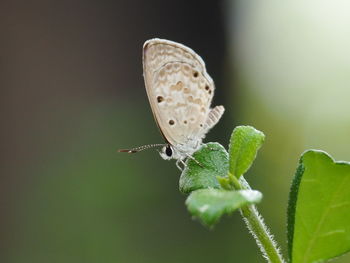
(180, 92)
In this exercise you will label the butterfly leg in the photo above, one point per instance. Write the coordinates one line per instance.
(194, 159)
(183, 163)
(178, 164)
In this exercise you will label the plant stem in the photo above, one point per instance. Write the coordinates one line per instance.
(256, 226)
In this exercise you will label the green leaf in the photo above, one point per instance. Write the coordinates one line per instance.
(244, 145)
(210, 204)
(212, 161)
(319, 209)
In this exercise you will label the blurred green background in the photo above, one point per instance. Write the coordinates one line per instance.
(73, 93)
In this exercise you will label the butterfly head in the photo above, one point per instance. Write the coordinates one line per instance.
(169, 152)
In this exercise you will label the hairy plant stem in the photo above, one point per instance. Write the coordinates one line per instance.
(256, 226)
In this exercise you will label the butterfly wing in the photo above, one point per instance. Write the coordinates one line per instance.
(179, 90)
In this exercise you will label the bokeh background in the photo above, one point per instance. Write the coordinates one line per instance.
(73, 93)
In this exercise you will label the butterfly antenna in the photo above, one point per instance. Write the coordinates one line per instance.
(140, 148)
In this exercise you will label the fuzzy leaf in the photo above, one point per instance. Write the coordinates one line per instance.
(213, 160)
(210, 204)
(244, 145)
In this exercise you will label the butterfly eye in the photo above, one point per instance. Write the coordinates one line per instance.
(168, 151)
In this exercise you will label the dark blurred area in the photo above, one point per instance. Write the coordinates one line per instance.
(73, 93)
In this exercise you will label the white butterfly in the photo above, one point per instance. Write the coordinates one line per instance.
(180, 92)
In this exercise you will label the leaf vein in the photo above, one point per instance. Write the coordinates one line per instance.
(322, 219)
